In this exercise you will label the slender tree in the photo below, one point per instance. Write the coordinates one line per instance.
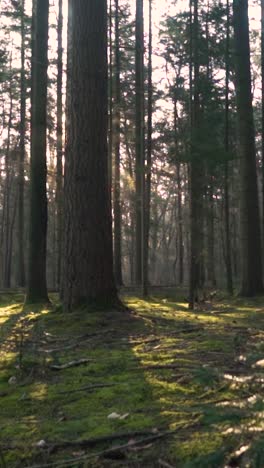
(116, 138)
(59, 174)
(196, 171)
(21, 178)
(149, 159)
(140, 175)
(88, 264)
(228, 253)
(262, 109)
(250, 221)
(37, 287)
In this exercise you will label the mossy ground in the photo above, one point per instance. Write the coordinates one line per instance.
(168, 369)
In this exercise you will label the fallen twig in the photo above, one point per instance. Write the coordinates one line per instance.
(87, 389)
(70, 364)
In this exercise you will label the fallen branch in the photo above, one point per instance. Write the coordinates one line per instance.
(99, 440)
(112, 450)
(70, 364)
(165, 464)
(89, 388)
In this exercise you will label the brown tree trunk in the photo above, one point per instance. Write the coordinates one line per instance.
(116, 140)
(59, 149)
(88, 266)
(140, 176)
(250, 221)
(21, 180)
(37, 286)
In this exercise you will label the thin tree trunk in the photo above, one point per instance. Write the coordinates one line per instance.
(228, 259)
(196, 174)
(116, 140)
(149, 160)
(139, 140)
(21, 180)
(59, 149)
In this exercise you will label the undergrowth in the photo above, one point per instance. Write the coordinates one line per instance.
(171, 387)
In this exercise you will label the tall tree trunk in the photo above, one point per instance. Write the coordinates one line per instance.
(116, 139)
(250, 221)
(262, 108)
(88, 266)
(228, 252)
(59, 149)
(21, 180)
(149, 161)
(110, 99)
(37, 285)
(140, 176)
(196, 173)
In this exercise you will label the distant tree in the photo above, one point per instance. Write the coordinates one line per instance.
(36, 284)
(250, 220)
(88, 260)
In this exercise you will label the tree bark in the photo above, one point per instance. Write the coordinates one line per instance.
(88, 265)
(250, 221)
(21, 180)
(140, 176)
(37, 286)
(116, 139)
(59, 149)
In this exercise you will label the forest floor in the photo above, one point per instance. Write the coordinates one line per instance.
(159, 386)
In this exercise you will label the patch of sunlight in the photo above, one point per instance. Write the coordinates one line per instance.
(39, 391)
(7, 357)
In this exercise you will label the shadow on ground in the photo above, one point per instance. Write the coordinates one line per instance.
(168, 386)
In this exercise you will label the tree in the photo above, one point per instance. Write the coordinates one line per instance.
(250, 221)
(88, 265)
(140, 173)
(22, 130)
(59, 178)
(36, 286)
(116, 140)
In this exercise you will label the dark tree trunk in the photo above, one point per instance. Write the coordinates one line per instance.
(228, 250)
(250, 221)
(196, 173)
(140, 176)
(116, 140)
(149, 161)
(59, 174)
(21, 180)
(37, 286)
(88, 265)
(262, 95)
(110, 99)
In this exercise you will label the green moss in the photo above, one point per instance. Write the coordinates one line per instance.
(164, 366)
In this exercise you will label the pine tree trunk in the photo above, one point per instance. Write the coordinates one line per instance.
(139, 139)
(250, 221)
(228, 259)
(116, 140)
(88, 265)
(59, 173)
(21, 180)
(262, 109)
(149, 161)
(37, 286)
(196, 174)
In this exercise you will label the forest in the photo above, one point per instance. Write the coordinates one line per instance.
(132, 233)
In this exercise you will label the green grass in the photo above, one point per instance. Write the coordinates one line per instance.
(166, 368)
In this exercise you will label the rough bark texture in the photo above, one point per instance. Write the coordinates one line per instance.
(37, 288)
(250, 221)
(88, 264)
